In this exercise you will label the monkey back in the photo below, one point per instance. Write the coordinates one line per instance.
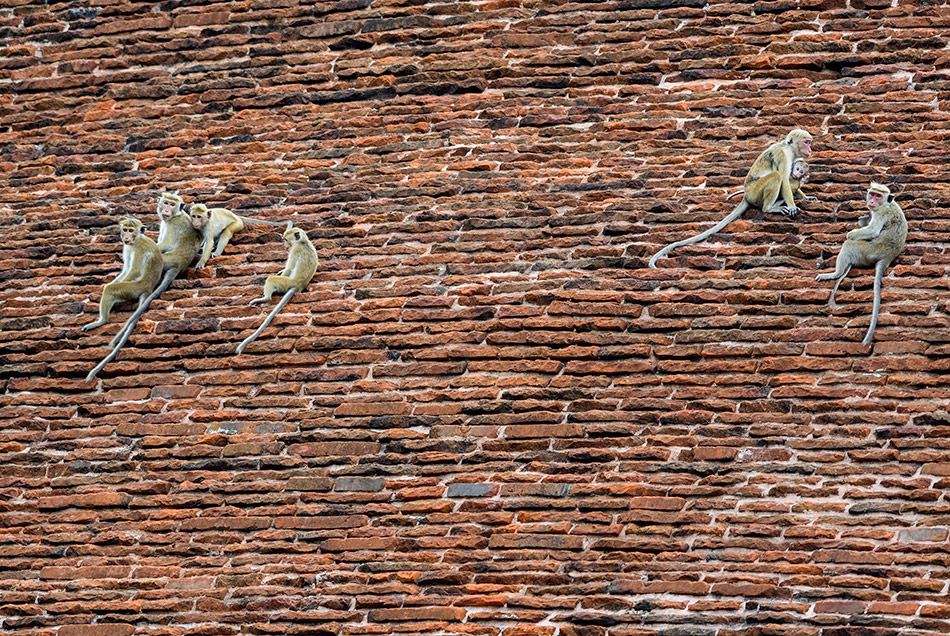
(180, 244)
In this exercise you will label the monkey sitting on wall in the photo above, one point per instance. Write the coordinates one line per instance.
(169, 204)
(141, 271)
(178, 248)
(768, 178)
(297, 273)
(218, 224)
(876, 243)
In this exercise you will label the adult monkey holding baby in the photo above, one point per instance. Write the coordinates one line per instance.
(767, 180)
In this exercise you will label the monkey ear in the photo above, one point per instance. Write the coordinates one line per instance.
(890, 198)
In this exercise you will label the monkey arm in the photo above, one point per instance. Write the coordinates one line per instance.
(870, 231)
(205, 249)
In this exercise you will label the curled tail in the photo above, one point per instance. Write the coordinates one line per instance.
(254, 221)
(702, 236)
(283, 301)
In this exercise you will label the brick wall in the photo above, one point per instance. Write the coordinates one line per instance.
(485, 416)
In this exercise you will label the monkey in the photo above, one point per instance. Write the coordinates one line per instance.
(178, 249)
(218, 224)
(169, 204)
(141, 271)
(799, 177)
(877, 242)
(767, 179)
(297, 273)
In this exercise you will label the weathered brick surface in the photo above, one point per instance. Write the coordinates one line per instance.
(485, 415)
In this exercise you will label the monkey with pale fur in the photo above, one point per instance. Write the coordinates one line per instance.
(178, 247)
(876, 243)
(141, 271)
(218, 224)
(767, 180)
(297, 273)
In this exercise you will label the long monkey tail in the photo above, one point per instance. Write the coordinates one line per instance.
(878, 275)
(702, 236)
(283, 302)
(123, 336)
(253, 221)
(167, 279)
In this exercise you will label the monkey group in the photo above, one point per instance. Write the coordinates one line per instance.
(779, 172)
(149, 268)
(773, 184)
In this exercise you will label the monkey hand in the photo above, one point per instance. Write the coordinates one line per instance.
(789, 211)
(809, 198)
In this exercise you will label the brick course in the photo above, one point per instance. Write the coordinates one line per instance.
(485, 415)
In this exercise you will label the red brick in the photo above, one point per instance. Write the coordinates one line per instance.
(89, 500)
(319, 523)
(714, 453)
(98, 629)
(657, 503)
(323, 449)
(454, 614)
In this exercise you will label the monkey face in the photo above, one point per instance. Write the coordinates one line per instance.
(799, 170)
(167, 208)
(128, 233)
(198, 219)
(805, 143)
(874, 199)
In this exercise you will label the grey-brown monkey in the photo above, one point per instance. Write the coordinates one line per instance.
(877, 243)
(178, 248)
(141, 271)
(297, 273)
(767, 180)
(219, 224)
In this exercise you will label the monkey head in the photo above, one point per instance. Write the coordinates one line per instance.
(129, 230)
(169, 204)
(877, 194)
(293, 235)
(800, 171)
(199, 215)
(800, 141)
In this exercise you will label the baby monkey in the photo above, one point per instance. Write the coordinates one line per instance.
(768, 178)
(141, 271)
(218, 224)
(297, 273)
(877, 243)
(799, 177)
